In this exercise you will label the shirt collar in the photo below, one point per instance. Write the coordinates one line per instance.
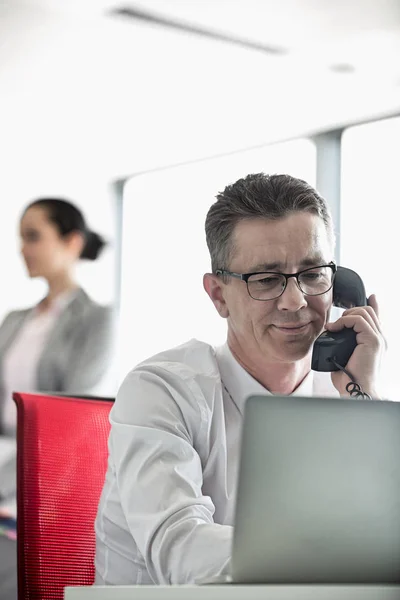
(240, 384)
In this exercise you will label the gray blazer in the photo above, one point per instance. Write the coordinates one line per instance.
(78, 351)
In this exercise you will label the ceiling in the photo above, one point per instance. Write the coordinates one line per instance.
(84, 90)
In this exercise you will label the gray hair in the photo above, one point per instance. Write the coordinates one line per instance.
(258, 196)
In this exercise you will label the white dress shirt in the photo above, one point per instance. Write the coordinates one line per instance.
(166, 511)
(22, 358)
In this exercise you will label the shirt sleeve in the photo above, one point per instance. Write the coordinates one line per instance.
(156, 424)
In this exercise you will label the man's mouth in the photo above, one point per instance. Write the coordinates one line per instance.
(292, 328)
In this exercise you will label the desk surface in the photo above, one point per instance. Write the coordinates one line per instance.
(235, 592)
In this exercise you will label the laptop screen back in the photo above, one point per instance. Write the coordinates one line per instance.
(318, 492)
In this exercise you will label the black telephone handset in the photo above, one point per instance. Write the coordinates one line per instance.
(348, 291)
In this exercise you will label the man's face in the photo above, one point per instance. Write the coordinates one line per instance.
(283, 329)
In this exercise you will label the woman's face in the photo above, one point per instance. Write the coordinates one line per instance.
(46, 253)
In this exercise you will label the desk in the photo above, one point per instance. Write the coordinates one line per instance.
(235, 592)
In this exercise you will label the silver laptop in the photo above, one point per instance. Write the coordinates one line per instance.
(318, 492)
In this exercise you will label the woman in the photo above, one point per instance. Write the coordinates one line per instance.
(61, 345)
(64, 343)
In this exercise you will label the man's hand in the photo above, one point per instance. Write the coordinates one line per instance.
(365, 361)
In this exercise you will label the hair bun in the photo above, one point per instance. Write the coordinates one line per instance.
(93, 247)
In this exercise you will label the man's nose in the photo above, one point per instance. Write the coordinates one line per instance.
(292, 298)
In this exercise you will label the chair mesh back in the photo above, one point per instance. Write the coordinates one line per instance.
(61, 462)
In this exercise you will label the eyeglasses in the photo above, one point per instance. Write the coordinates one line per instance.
(270, 285)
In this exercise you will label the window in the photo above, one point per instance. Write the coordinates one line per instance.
(369, 228)
(164, 252)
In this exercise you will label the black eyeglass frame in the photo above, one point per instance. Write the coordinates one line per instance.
(246, 276)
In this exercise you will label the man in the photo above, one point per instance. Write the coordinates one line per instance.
(166, 511)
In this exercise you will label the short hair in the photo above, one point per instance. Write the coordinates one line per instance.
(258, 196)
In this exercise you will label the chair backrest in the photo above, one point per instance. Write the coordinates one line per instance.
(61, 463)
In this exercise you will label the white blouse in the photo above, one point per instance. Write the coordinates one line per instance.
(21, 359)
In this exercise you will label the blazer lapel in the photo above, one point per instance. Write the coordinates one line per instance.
(66, 324)
(11, 330)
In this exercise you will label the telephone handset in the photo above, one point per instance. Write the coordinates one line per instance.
(348, 291)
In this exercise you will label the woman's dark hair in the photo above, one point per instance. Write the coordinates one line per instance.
(68, 218)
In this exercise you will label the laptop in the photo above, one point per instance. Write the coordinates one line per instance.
(318, 492)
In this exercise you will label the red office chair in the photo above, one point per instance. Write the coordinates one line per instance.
(61, 462)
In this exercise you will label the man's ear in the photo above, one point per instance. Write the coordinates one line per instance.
(214, 287)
